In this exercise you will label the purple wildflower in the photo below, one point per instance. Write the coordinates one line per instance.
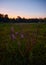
(16, 33)
(22, 36)
(13, 36)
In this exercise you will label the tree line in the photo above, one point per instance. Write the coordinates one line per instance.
(6, 19)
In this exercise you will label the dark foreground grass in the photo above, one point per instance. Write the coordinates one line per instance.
(25, 44)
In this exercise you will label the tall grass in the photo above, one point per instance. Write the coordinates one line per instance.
(22, 44)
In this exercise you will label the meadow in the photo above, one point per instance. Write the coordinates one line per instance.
(22, 44)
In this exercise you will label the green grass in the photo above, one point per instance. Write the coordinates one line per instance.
(34, 36)
(31, 31)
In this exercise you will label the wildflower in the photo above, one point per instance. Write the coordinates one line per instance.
(16, 33)
(22, 36)
(13, 36)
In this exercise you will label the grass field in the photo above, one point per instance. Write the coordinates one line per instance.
(26, 38)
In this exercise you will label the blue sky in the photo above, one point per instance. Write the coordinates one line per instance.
(23, 8)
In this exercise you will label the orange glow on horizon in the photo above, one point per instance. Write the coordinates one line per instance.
(11, 16)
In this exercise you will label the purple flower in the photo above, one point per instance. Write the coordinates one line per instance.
(16, 33)
(13, 36)
(22, 36)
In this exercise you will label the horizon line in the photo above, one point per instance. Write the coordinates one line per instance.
(28, 17)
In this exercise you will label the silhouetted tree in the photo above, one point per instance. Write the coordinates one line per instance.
(6, 16)
(6, 19)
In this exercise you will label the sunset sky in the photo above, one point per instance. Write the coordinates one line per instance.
(23, 8)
